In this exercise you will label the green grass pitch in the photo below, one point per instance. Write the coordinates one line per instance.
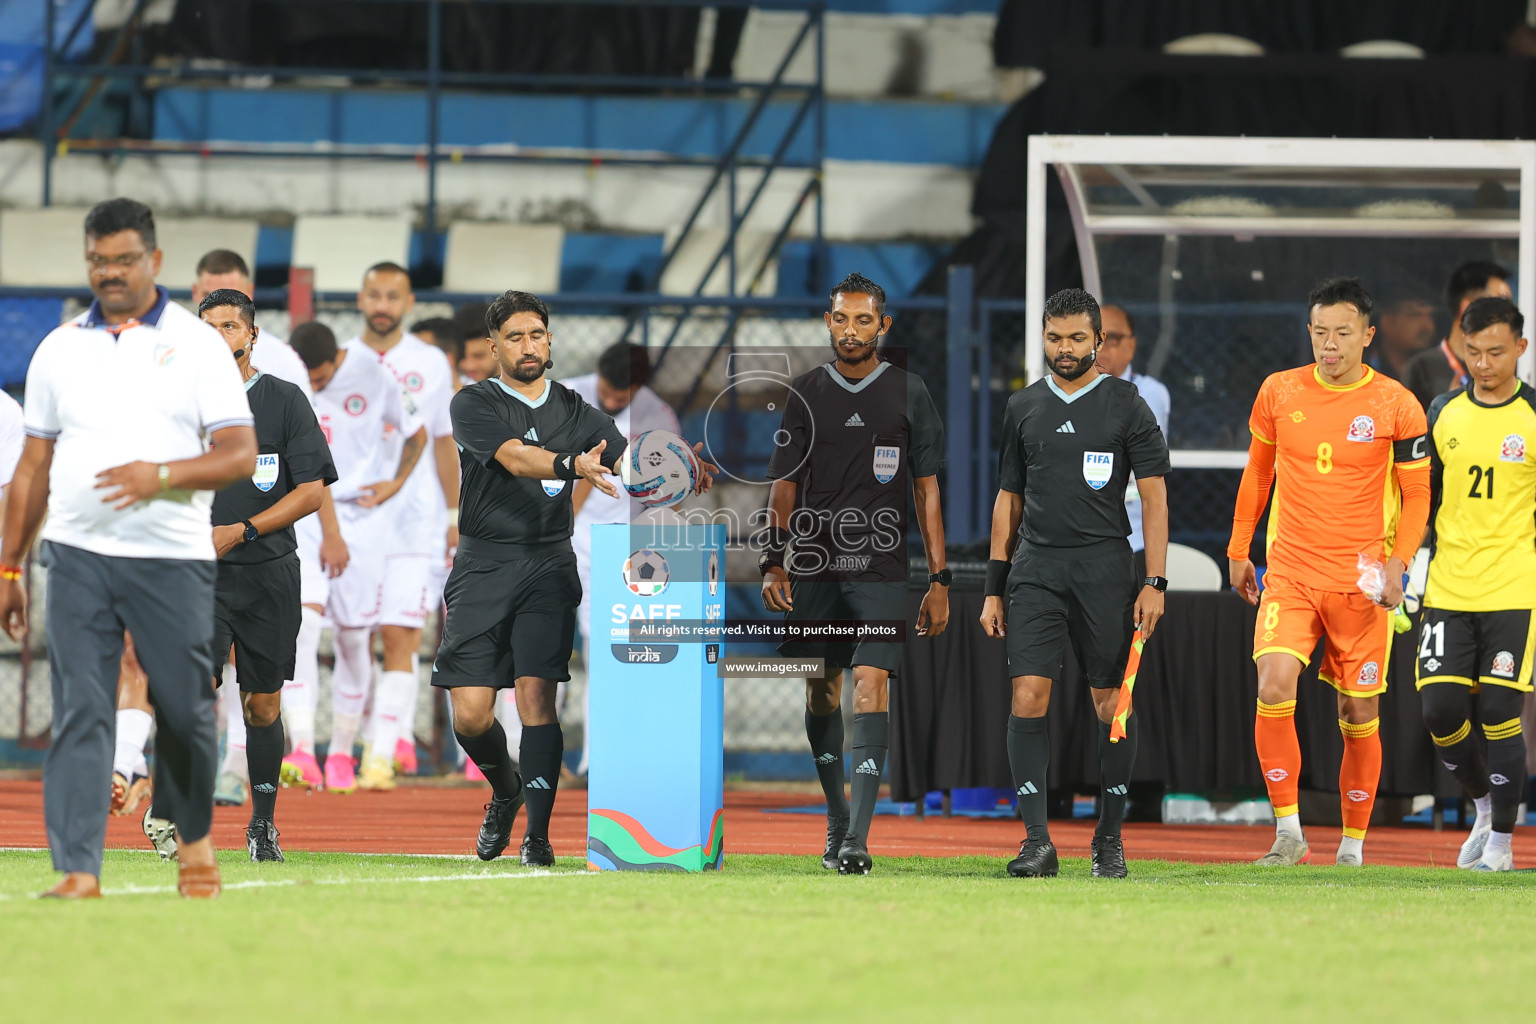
(343, 937)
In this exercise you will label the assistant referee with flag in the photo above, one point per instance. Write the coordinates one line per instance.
(1062, 562)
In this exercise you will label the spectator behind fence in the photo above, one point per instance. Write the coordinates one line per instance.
(1442, 368)
(1405, 327)
(1115, 356)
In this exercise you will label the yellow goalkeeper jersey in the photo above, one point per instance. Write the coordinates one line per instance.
(1483, 482)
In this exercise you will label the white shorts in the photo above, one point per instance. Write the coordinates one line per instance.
(356, 598)
(406, 580)
(314, 583)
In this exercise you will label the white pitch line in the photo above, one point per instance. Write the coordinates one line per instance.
(275, 883)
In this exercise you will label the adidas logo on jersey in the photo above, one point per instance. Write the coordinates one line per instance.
(854, 421)
(531, 435)
(1028, 789)
(537, 783)
(1115, 790)
(826, 758)
(867, 767)
(1066, 428)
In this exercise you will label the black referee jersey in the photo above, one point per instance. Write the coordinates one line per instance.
(292, 451)
(501, 508)
(851, 448)
(1071, 457)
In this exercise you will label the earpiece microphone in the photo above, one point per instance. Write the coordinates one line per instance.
(239, 352)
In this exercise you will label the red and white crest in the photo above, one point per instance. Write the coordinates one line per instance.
(413, 381)
(1513, 449)
(1504, 664)
(356, 405)
(1370, 672)
(1362, 429)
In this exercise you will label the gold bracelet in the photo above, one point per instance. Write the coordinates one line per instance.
(164, 472)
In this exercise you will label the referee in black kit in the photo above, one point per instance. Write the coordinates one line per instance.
(853, 432)
(513, 591)
(256, 595)
(1069, 442)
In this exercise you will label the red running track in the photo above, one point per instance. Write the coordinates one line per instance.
(444, 819)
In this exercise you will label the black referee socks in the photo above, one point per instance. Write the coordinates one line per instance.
(489, 752)
(826, 735)
(264, 760)
(541, 751)
(1029, 756)
(1116, 762)
(871, 740)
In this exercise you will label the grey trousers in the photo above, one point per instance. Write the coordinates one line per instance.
(167, 605)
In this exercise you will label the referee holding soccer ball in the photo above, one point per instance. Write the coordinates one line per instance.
(512, 595)
(1069, 443)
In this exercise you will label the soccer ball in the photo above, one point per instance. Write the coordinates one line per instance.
(659, 469)
(646, 572)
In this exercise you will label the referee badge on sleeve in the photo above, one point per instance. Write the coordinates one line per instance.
(1098, 467)
(266, 472)
(887, 460)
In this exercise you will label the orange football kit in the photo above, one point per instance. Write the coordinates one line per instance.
(1350, 469)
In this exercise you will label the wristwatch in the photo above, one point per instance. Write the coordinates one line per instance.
(163, 473)
(251, 533)
(944, 577)
(1157, 583)
(768, 561)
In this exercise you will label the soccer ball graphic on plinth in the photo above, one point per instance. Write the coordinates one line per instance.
(646, 572)
(659, 469)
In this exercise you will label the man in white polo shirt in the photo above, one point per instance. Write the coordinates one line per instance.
(424, 517)
(135, 414)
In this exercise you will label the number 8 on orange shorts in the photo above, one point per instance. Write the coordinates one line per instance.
(1293, 617)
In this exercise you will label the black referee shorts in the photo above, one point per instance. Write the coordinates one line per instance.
(1054, 600)
(846, 601)
(256, 607)
(1476, 648)
(508, 617)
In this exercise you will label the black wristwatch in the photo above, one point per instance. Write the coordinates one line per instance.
(1157, 583)
(944, 577)
(251, 533)
(767, 560)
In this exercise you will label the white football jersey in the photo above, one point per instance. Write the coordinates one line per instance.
(648, 411)
(360, 404)
(275, 356)
(421, 518)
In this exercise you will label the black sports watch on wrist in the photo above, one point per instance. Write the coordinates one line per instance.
(1157, 583)
(251, 533)
(767, 561)
(944, 577)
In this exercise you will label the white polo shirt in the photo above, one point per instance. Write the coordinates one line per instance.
(153, 391)
(12, 437)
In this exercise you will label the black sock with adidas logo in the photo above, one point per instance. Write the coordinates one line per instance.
(826, 735)
(871, 740)
(539, 757)
(1029, 757)
(489, 753)
(1116, 761)
(264, 760)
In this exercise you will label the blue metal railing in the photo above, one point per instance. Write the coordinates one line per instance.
(53, 130)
